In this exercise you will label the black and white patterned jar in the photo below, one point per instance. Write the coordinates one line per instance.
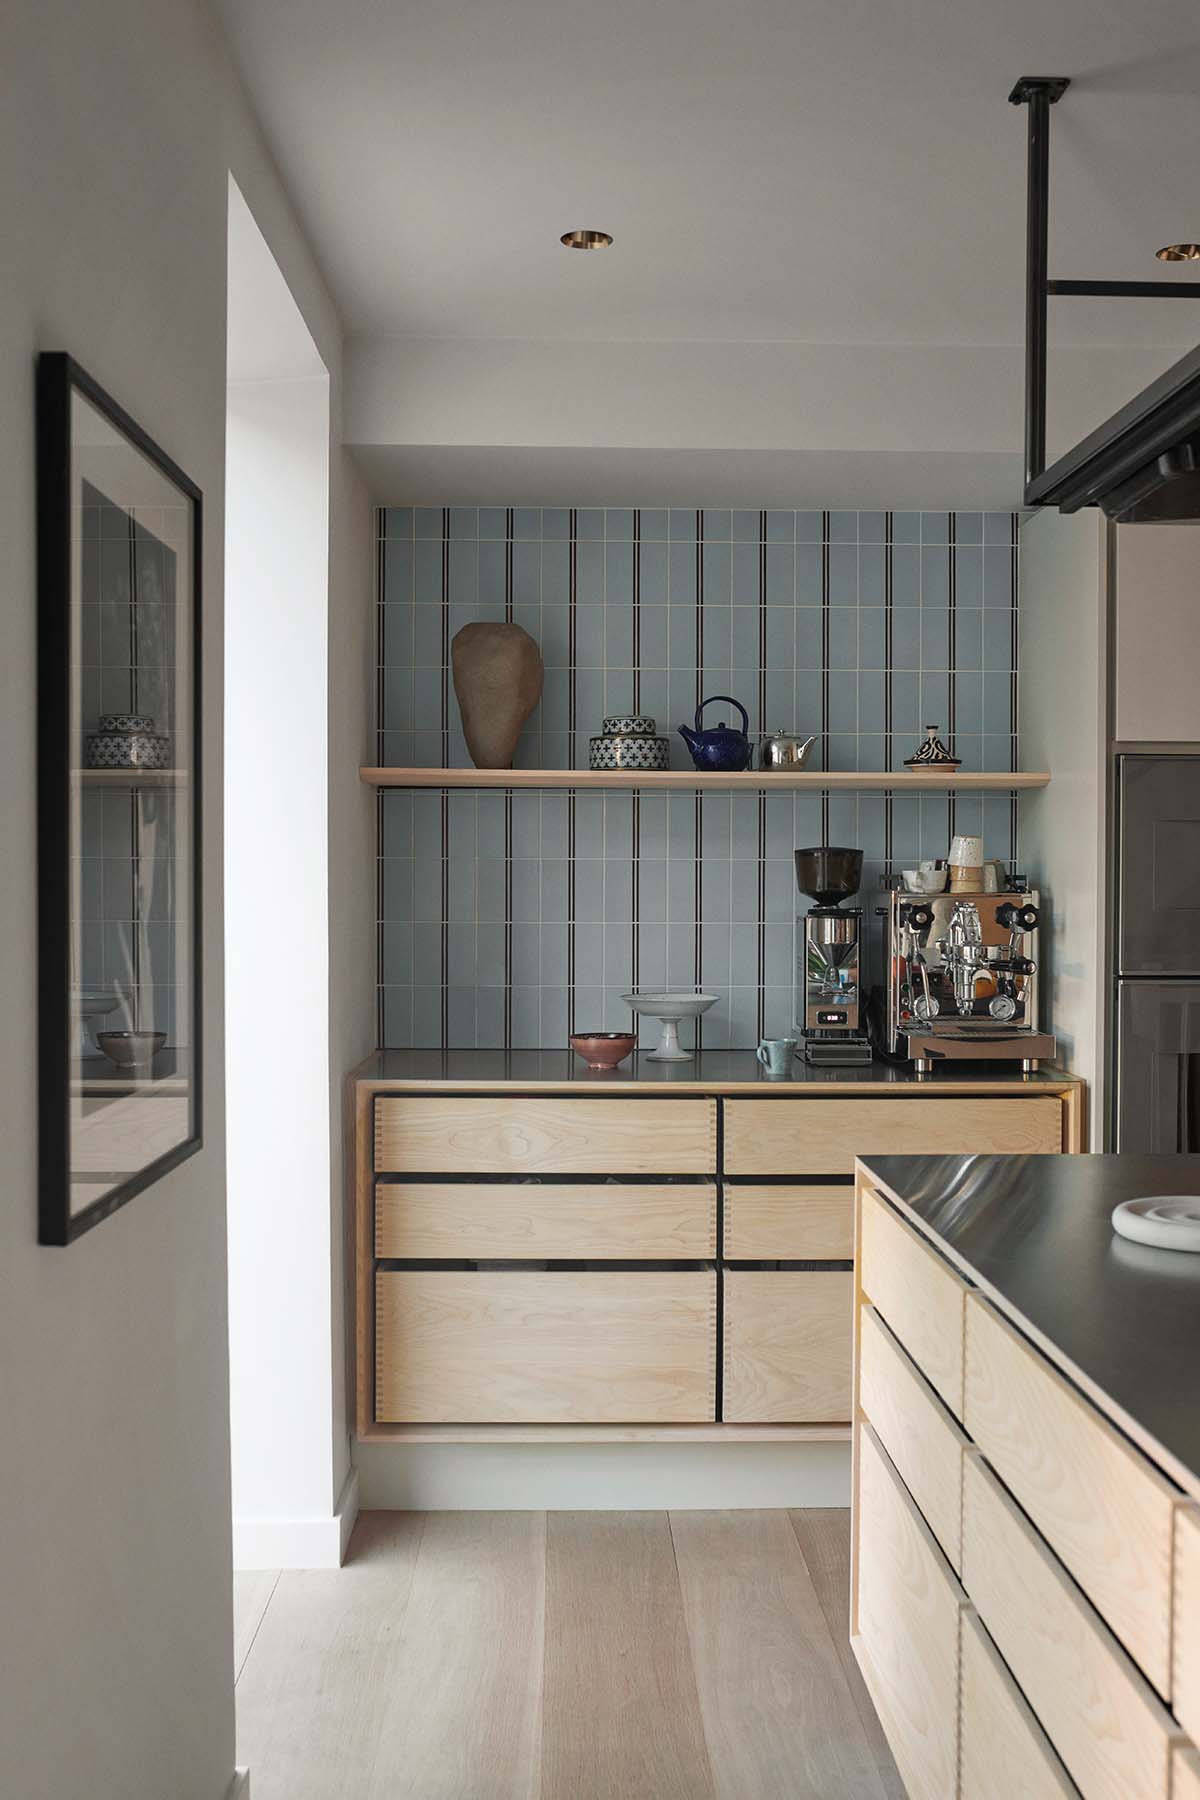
(629, 741)
(127, 741)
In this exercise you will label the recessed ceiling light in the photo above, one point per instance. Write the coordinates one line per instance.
(1179, 253)
(593, 240)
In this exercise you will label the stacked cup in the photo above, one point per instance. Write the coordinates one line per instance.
(966, 865)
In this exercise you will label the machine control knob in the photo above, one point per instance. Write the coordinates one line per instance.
(1002, 1007)
(918, 917)
(1017, 918)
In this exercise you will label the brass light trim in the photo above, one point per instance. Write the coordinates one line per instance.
(1179, 253)
(594, 240)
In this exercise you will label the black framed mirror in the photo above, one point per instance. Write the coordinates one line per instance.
(119, 867)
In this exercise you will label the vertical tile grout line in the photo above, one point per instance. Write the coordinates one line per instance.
(952, 650)
(761, 808)
(826, 624)
(572, 646)
(445, 795)
(380, 654)
(509, 525)
(699, 807)
(1014, 679)
(635, 892)
(888, 696)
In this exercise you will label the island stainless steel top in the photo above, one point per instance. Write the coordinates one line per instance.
(1121, 1319)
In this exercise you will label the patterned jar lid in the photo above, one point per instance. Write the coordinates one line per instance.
(630, 725)
(108, 722)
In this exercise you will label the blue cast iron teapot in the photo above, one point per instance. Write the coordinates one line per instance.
(723, 748)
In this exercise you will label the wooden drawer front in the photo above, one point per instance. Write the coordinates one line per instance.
(514, 1347)
(915, 1429)
(907, 1628)
(787, 1346)
(1005, 1753)
(1185, 1686)
(1104, 1510)
(918, 1295)
(488, 1134)
(823, 1137)
(1099, 1712)
(534, 1220)
(790, 1224)
(1185, 1774)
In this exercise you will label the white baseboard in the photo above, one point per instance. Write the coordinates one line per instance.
(599, 1477)
(298, 1543)
(239, 1787)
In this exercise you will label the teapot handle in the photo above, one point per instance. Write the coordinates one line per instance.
(732, 702)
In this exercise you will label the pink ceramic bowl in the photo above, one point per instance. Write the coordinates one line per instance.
(603, 1049)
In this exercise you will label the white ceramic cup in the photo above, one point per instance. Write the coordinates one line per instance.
(966, 852)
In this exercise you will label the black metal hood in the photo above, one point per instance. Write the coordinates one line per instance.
(1143, 464)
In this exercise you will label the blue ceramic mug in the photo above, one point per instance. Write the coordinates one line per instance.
(775, 1054)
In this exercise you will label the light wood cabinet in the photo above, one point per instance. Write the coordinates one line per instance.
(807, 1223)
(919, 1296)
(490, 1134)
(1185, 1773)
(787, 1345)
(1185, 1685)
(1112, 1733)
(536, 1221)
(1005, 1754)
(823, 1137)
(905, 1627)
(915, 1429)
(1102, 1507)
(548, 1345)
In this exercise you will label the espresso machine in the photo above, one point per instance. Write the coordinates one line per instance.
(829, 1000)
(961, 978)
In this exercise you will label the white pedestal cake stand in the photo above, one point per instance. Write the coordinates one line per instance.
(668, 1009)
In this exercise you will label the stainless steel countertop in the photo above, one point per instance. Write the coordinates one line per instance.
(711, 1069)
(1122, 1320)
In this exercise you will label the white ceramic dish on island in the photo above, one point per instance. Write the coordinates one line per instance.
(669, 1009)
(1168, 1221)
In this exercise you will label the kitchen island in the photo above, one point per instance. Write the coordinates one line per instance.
(1026, 1580)
(664, 1252)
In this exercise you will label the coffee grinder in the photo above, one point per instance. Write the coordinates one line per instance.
(829, 1004)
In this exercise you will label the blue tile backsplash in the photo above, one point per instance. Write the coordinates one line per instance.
(511, 920)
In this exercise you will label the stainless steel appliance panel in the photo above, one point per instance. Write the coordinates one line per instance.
(1158, 1067)
(1159, 866)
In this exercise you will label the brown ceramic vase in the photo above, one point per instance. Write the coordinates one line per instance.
(498, 680)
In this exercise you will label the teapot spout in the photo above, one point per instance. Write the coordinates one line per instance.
(807, 745)
(689, 737)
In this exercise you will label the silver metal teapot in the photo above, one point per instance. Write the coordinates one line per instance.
(784, 750)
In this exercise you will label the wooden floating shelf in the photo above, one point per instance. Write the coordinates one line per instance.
(690, 780)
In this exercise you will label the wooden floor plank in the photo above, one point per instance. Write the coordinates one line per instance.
(779, 1717)
(252, 1590)
(823, 1534)
(621, 1713)
(464, 1714)
(318, 1681)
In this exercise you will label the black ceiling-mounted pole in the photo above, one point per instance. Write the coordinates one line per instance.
(1038, 93)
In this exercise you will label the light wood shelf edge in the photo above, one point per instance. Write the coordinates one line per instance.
(690, 780)
(601, 1434)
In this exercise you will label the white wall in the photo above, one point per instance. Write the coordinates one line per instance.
(1157, 629)
(1062, 722)
(120, 125)
(279, 1144)
(888, 425)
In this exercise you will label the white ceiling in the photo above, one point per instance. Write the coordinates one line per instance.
(266, 338)
(830, 171)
